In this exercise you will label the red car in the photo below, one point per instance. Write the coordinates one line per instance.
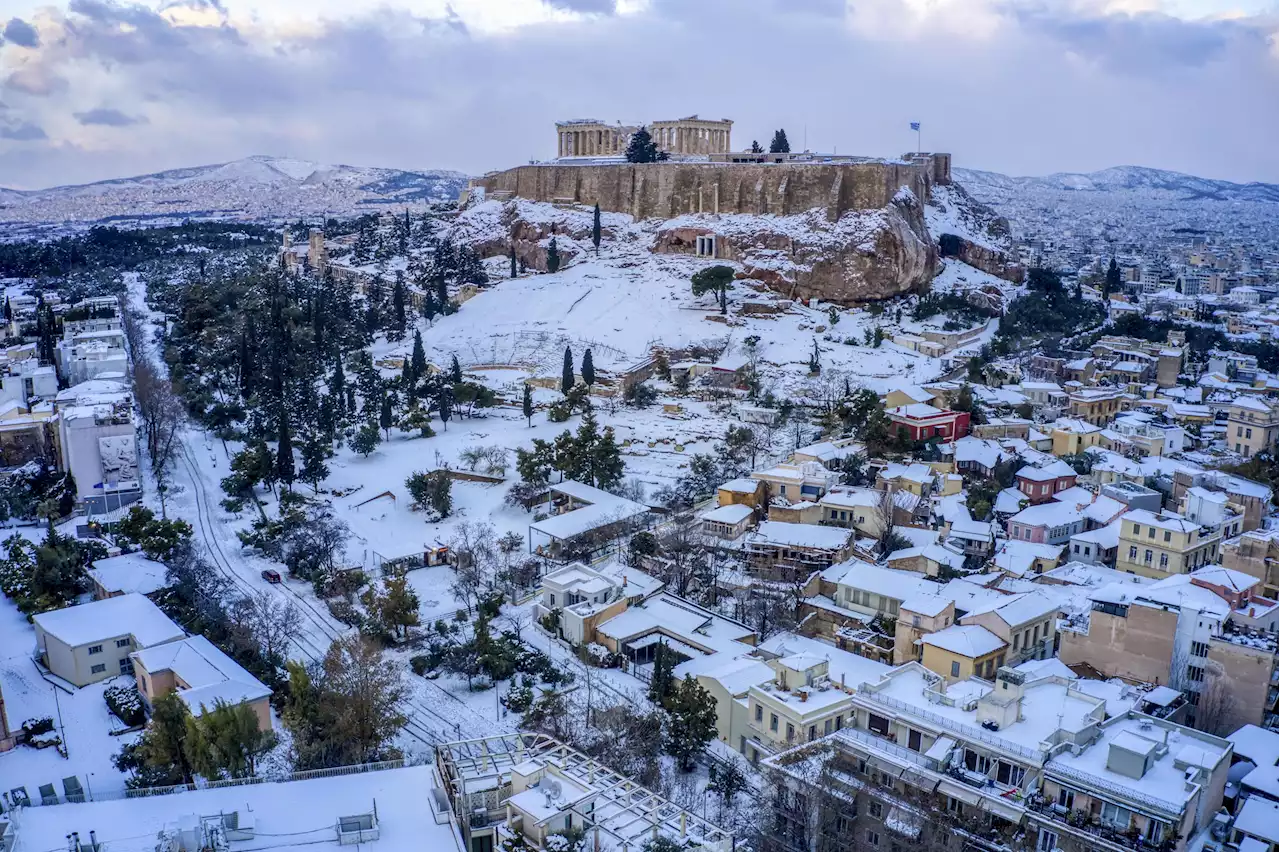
(271, 576)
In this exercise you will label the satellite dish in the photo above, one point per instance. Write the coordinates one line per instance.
(553, 788)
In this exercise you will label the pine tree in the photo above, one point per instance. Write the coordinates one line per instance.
(162, 744)
(595, 232)
(445, 403)
(284, 451)
(248, 367)
(755, 147)
(606, 460)
(367, 439)
(662, 675)
(553, 256)
(588, 368)
(692, 722)
(419, 359)
(566, 372)
(780, 145)
(314, 452)
(338, 389)
(526, 405)
(642, 148)
(715, 280)
(397, 304)
(513, 261)
(1112, 282)
(455, 371)
(442, 293)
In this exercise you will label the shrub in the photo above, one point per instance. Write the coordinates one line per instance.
(345, 612)
(518, 698)
(126, 704)
(38, 726)
(419, 664)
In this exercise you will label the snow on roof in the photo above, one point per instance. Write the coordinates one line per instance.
(926, 604)
(1260, 818)
(1049, 667)
(604, 509)
(741, 486)
(842, 666)
(1164, 521)
(735, 675)
(1217, 575)
(936, 553)
(1017, 557)
(849, 496)
(1104, 537)
(1009, 501)
(1103, 509)
(802, 535)
(917, 411)
(130, 572)
(209, 674)
(914, 392)
(1257, 744)
(1251, 403)
(983, 452)
(730, 514)
(1264, 779)
(886, 582)
(279, 809)
(130, 614)
(967, 640)
(1014, 610)
(917, 536)
(1050, 514)
(968, 596)
(914, 472)
(1162, 696)
(1044, 473)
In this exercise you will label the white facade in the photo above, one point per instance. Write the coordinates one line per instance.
(99, 446)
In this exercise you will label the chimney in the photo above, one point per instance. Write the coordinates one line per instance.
(75, 838)
(93, 840)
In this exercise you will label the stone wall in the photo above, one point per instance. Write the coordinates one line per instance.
(667, 190)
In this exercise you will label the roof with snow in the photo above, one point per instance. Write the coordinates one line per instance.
(802, 535)
(1257, 744)
(967, 640)
(731, 514)
(1050, 514)
(211, 677)
(124, 615)
(129, 572)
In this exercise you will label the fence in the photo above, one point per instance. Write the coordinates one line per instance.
(270, 778)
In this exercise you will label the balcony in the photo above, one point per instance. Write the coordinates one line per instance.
(1091, 831)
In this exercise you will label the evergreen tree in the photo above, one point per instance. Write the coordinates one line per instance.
(1111, 283)
(247, 365)
(442, 293)
(755, 147)
(526, 404)
(588, 368)
(367, 439)
(397, 305)
(455, 371)
(692, 722)
(444, 400)
(513, 261)
(715, 280)
(642, 148)
(606, 461)
(387, 415)
(566, 371)
(284, 450)
(419, 359)
(338, 389)
(663, 673)
(779, 145)
(314, 452)
(595, 232)
(553, 256)
(163, 743)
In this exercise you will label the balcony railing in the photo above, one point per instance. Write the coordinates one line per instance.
(1122, 794)
(969, 732)
(1095, 833)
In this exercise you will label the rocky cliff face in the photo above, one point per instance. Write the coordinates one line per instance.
(864, 256)
(983, 240)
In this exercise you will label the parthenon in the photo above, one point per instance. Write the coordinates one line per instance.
(589, 137)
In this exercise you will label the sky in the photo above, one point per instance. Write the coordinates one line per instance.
(95, 89)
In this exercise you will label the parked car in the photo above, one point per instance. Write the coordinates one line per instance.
(271, 576)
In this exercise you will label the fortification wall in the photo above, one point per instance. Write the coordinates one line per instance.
(667, 190)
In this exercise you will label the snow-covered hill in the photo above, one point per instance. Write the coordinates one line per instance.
(255, 188)
(991, 185)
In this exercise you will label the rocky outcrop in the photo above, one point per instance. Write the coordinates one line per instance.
(864, 256)
(491, 236)
(972, 232)
(989, 260)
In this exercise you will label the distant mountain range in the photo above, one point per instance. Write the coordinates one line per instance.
(992, 186)
(254, 189)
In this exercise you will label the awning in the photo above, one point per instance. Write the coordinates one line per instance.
(940, 749)
(903, 822)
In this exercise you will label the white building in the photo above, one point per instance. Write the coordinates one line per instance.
(99, 443)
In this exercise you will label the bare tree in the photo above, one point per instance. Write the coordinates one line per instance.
(475, 562)
(269, 619)
(1218, 709)
(684, 558)
(162, 417)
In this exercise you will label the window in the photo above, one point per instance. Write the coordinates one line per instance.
(1151, 533)
(1248, 433)
(839, 722)
(1008, 773)
(876, 810)
(98, 669)
(1047, 841)
(759, 713)
(773, 722)
(915, 621)
(1115, 815)
(873, 839)
(1195, 674)
(1133, 554)
(1164, 561)
(1146, 556)
(877, 724)
(1016, 640)
(126, 666)
(1136, 529)
(913, 740)
(124, 643)
(1199, 649)
(955, 806)
(826, 727)
(553, 598)
(813, 733)
(955, 669)
(95, 649)
(1168, 536)
(1066, 798)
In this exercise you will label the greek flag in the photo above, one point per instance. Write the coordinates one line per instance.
(915, 125)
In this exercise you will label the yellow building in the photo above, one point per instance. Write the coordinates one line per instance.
(1096, 405)
(1252, 425)
(1074, 436)
(919, 616)
(961, 651)
(1159, 545)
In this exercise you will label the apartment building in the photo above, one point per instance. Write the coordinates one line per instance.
(1097, 406)
(787, 551)
(963, 651)
(1252, 425)
(93, 641)
(1158, 544)
(1256, 553)
(794, 483)
(923, 763)
(1206, 633)
(1040, 482)
(1025, 622)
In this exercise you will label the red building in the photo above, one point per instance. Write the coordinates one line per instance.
(1041, 483)
(922, 421)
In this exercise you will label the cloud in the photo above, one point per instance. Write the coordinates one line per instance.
(589, 7)
(108, 117)
(21, 33)
(1002, 84)
(22, 131)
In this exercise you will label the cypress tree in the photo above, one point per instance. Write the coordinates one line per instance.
(553, 256)
(588, 369)
(513, 261)
(780, 145)
(526, 405)
(397, 302)
(419, 359)
(284, 451)
(566, 372)
(455, 371)
(595, 232)
(442, 293)
(386, 417)
(338, 388)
